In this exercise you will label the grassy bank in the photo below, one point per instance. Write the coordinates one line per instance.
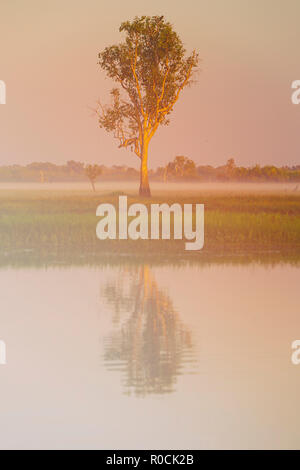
(65, 222)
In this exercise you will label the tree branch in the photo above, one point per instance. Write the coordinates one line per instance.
(168, 108)
(133, 68)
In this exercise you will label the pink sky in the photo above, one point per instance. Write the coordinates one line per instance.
(241, 106)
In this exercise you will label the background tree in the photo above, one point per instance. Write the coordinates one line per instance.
(151, 69)
(230, 168)
(181, 167)
(230, 165)
(92, 172)
(75, 167)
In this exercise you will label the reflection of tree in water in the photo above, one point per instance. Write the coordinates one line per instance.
(150, 344)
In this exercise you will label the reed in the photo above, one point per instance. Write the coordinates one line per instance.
(66, 221)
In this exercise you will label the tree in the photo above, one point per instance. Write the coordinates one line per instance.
(230, 168)
(75, 167)
(151, 70)
(92, 172)
(230, 165)
(181, 167)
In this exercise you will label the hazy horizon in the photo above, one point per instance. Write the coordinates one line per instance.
(241, 106)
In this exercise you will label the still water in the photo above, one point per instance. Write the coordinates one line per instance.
(142, 356)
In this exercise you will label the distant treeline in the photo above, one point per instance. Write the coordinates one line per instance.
(180, 169)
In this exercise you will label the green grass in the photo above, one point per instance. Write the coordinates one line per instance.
(65, 222)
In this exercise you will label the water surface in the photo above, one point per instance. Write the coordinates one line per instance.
(142, 356)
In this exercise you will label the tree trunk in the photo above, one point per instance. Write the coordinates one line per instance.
(144, 182)
(93, 185)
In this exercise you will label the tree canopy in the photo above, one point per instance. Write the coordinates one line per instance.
(151, 68)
